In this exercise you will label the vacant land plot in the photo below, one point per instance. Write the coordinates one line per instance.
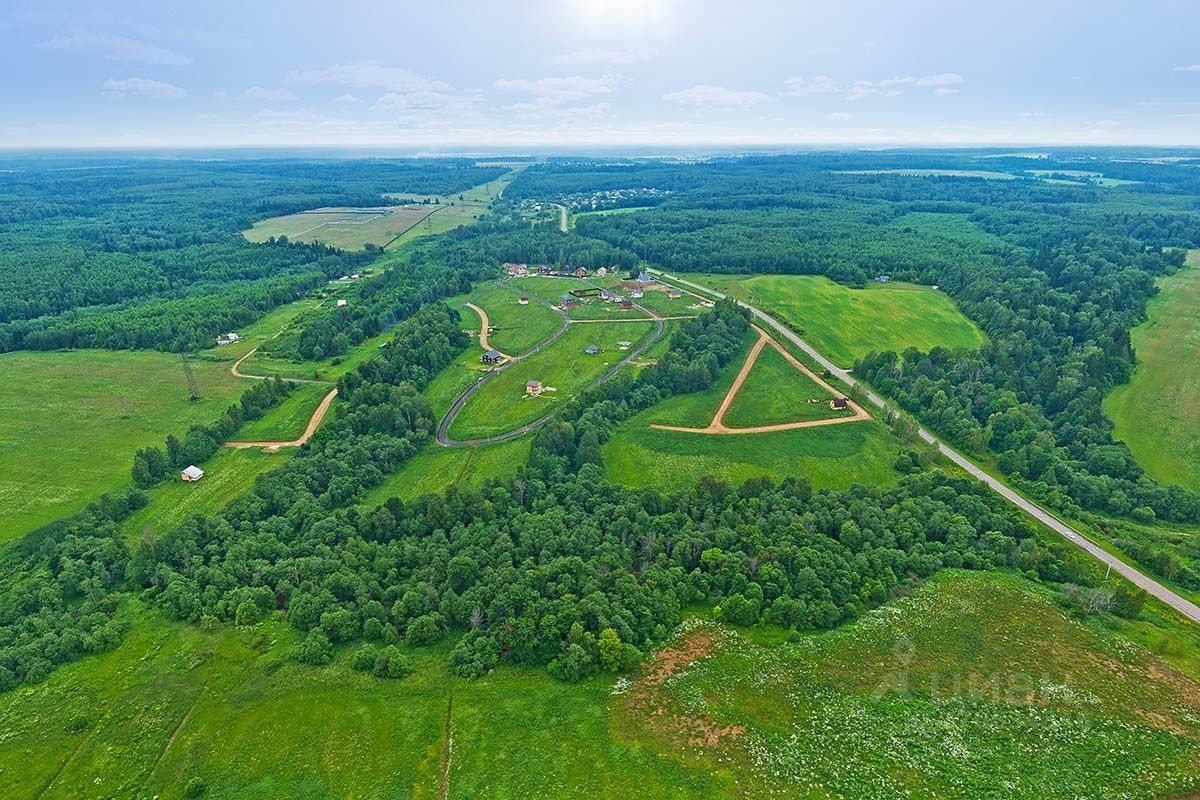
(229, 473)
(287, 420)
(350, 229)
(775, 392)
(436, 468)
(516, 328)
(70, 422)
(564, 368)
(1158, 412)
(845, 324)
(834, 456)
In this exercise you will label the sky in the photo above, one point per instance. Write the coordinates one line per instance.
(449, 75)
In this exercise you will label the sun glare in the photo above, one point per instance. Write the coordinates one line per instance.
(621, 15)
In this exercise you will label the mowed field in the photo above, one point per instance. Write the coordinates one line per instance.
(502, 404)
(776, 392)
(845, 324)
(71, 421)
(516, 328)
(349, 229)
(1158, 412)
(948, 693)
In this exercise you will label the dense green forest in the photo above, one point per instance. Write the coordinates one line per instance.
(1055, 274)
(148, 253)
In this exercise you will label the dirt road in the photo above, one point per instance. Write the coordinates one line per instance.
(718, 426)
(313, 423)
(485, 324)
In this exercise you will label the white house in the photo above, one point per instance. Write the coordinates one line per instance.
(227, 338)
(192, 473)
(342, 304)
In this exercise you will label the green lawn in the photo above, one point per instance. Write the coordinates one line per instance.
(835, 457)
(776, 392)
(845, 324)
(72, 420)
(1158, 412)
(951, 692)
(516, 329)
(286, 421)
(349, 231)
(229, 473)
(435, 468)
(502, 404)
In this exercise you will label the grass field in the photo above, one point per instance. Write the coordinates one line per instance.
(502, 404)
(516, 329)
(949, 693)
(845, 324)
(228, 474)
(776, 392)
(836, 456)
(1158, 412)
(436, 468)
(349, 230)
(70, 422)
(287, 420)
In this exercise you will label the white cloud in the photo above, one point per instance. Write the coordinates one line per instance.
(1107, 123)
(940, 83)
(864, 89)
(942, 91)
(261, 94)
(579, 57)
(1187, 68)
(346, 99)
(142, 87)
(839, 116)
(706, 96)
(114, 47)
(369, 76)
(415, 101)
(559, 91)
(821, 84)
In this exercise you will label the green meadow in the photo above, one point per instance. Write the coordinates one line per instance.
(776, 392)
(436, 468)
(950, 692)
(1158, 412)
(72, 420)
(288, 420)
(845, 324)
(516, 328)
(502, 404)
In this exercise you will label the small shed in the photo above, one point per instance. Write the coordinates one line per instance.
(533, 388)
(524, 301)
(342, 303)
(491, 357)
(591, 350)
(191, 473)
(637, 294)
(839, 402)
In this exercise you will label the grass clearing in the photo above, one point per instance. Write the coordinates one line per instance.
(349, 229)
(436, 468)
(1157, 413)
(286, 421)
(516, 329)
(231, 472)
(503, 405)
(71, 421)
(845, 324)
(776, 392)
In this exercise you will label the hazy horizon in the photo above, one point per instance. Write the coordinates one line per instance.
(578, 74)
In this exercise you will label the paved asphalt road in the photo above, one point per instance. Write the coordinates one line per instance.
(1140, 579)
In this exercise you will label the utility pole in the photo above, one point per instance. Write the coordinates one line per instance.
(193, 389)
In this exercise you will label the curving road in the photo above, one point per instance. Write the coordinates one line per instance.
(443, 431)
(1184, 606)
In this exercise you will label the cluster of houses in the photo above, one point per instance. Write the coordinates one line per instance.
(516, 270)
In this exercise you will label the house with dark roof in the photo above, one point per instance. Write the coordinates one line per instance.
(534, 388)
(839, 402)
(492, 357)
(591, 350)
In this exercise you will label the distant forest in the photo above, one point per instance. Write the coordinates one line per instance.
(147, 253)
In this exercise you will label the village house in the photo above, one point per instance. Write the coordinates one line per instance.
(882, 278)
(516, 270)
(191, 473)
(581, 272)
(533, 388)
(591, 350)
(491, 357)
(626, 303)
(839, 402)
(524, 301)
(602, 271)
(227, 338)
(342, 303)
(644, 277)
(543, 269)
(637, 294)
(567, 301)
(674, 294)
